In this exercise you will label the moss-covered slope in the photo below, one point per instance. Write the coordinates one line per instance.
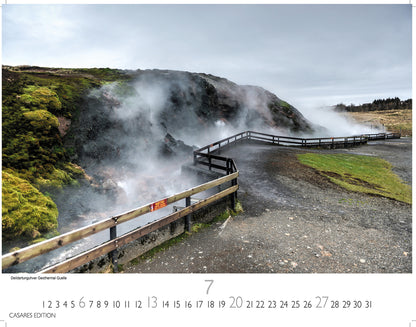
(35, 101)
(25, 211)
(53, 122)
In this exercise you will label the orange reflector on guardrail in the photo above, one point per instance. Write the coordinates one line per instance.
(158, 205)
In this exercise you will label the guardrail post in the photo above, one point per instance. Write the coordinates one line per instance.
(114, 253)
(230, 170)
(189, 216)
(209, 158)
(233, 195)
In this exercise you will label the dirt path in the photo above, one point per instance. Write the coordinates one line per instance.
(296, 221)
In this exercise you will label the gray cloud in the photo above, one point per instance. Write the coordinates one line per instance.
(306, 54)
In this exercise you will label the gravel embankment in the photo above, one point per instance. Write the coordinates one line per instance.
(296, 221)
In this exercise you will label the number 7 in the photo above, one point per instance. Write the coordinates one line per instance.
(210, 281)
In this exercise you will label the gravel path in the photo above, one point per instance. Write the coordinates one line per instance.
(296, 221)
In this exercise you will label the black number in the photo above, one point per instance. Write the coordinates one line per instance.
(295, 305)
(307, 304)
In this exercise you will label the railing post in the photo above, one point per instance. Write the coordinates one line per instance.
(230, 170)
(114, 253)
(209, 157)
(189, 216)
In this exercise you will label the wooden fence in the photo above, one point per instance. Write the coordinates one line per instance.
(207, 156)
(111, 224)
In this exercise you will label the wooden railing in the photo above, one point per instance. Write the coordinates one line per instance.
(208, 156)
(383, 136)
(112, 223)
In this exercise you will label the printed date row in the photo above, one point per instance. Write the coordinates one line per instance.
(232, 302)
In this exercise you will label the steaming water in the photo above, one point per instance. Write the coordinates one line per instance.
(137, 172)
(70, 250)
(338, 125)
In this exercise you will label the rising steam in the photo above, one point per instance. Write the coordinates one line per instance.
(136, 135)
(336, 124)
(133, 137)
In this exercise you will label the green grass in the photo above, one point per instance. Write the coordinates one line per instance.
(357, 173)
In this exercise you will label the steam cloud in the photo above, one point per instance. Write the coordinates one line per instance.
(130, 131)
(336, 124)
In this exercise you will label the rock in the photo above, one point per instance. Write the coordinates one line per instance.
(158, 105)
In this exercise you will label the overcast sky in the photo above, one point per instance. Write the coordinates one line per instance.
(308, 55)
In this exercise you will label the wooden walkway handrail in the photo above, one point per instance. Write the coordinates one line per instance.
(35, 250)
(281, 139)
(111, 245)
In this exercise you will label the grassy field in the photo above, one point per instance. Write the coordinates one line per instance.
(357, 173)
(394, 120)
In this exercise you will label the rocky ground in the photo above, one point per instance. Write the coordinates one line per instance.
(296, 221)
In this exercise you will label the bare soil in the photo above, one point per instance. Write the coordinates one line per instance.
(297, 221)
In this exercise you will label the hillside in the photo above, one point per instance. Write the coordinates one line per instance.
(395, 120)
(69, 131)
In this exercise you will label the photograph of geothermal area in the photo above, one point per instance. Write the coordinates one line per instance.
(207, 138)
